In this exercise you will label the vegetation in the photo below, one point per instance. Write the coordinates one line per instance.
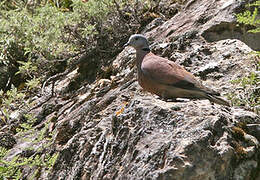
(12, 169)
(42, 38)
(249, 85)
(250, 18)
(39, 39)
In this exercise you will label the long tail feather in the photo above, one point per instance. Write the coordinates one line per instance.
(218, 100)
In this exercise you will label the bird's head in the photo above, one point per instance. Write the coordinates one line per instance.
(138, 41)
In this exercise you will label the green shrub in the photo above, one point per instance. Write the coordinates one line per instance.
(36, 37)
(250, 18)
(249, 95)
(13, 169)
(42, 33)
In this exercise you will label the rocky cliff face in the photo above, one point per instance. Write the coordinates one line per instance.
(112, 129)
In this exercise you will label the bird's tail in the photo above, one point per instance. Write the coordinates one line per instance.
(217, 100)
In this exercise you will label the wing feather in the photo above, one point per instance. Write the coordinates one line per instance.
(167, 72)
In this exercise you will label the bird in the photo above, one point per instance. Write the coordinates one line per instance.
(165, 78)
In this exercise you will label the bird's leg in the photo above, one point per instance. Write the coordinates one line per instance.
(163, 97)
(167, 99)
(175, 100)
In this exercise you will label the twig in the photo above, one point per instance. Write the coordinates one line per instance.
(8, 83)
(40, 104)
(119, 11)
(3, 114)
(57, 76)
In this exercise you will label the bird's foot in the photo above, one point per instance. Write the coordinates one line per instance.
(177, 100)
(173, 99)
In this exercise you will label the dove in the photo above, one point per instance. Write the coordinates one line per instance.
(165, 78)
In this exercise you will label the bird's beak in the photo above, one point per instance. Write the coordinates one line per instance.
(126, 44)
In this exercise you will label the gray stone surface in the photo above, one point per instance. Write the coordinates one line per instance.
(112, 129)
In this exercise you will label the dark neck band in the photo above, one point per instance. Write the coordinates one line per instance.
(146, 49)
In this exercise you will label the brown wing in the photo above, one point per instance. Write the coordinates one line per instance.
(167, 72)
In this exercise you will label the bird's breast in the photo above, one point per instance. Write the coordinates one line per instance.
(148, 84)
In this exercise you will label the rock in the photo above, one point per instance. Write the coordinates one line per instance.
(214, 20)
(241, 172)
(7, 140)
(246, 117)
(144, 144)
(15, 115)
(155, 23)
(112, 129)
(4, 75)
(208, 68)
(254, 129)
(136, 136)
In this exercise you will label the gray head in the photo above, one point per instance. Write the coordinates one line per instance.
(138, 41)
